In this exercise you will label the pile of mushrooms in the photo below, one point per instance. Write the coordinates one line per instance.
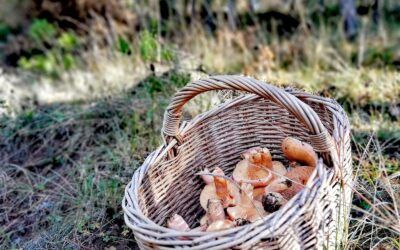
(258, 186)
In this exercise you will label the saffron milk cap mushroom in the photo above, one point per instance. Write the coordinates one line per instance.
(254, 168)
(295, 150)
(258, 156)
(247, 208)
(298, 177)
(222, 189)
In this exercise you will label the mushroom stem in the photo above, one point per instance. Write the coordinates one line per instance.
(221, 189)
(206, 177)
(177, 223)
(215, 211)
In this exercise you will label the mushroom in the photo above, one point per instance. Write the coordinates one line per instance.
(258, 156)
(302, 152)
(278, 185)
(220, 225)
(246, 172)
(278, 167)
(278, 170)
(177, 223)
(246, 208)
(254, 168)
(258, 193)
(204, 175)
(220, 189)
(299, 177)
(273, 201)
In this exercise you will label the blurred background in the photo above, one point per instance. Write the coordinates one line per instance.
(84, 83)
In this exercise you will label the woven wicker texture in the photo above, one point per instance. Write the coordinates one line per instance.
(166, 182)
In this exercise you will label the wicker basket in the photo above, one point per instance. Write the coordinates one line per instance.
(166, 182)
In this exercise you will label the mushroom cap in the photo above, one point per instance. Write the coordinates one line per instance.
(299, 177)
(278, 167)
(302, 173)
(209, 192)
(278, 185)
(258, 193)
(246, 172)
(218, 171)
(292, 191)
(220, 225)
(295, 150)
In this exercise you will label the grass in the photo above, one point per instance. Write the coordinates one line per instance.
(69, 145)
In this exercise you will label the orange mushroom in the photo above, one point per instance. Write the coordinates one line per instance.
(258, 156)
(278, 168)
(299, 177)
(246, 172)
(247, 208)
(254, 168)
(302, 152)
(221, 189)
(258, 193)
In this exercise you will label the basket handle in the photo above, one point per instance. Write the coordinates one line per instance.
(320, 138)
